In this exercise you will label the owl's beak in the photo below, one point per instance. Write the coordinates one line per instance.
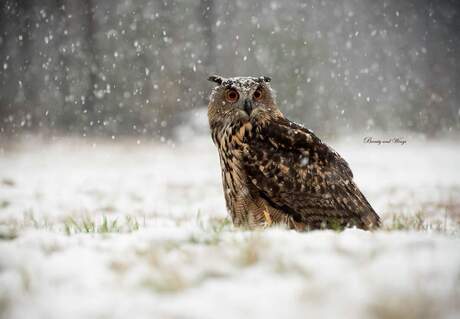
(248, 106)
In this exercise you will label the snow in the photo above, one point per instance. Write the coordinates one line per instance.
(185, 261)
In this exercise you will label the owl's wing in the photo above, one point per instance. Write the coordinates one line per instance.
(298, 174)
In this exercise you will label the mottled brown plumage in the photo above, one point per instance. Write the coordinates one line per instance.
(276, 171)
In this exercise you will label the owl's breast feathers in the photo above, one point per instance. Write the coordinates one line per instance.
(285, 166)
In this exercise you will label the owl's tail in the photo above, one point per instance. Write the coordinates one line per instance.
(370, 220)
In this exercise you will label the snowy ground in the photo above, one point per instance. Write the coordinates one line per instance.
(92, 229)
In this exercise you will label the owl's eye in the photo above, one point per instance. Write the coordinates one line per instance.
(231, 96)
(257, 95)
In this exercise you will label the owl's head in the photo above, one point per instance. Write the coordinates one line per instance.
(240, 98)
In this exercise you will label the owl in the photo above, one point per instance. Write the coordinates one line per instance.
(275, 171)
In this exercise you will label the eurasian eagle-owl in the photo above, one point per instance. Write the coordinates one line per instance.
(276, 171)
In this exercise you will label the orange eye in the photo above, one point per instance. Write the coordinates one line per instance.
(257, 95)
(231, 96)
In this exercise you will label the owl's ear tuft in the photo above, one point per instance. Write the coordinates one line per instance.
(264, 79)
(216, 78)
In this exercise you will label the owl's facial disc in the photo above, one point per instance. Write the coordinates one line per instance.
(241, 97)
(251, 92)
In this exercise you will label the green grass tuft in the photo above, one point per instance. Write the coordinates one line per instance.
(418, 222)
(102, 226)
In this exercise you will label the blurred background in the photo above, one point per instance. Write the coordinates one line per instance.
(123, 67)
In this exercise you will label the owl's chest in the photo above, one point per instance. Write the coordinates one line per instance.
(230, 144)
(231, 162)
